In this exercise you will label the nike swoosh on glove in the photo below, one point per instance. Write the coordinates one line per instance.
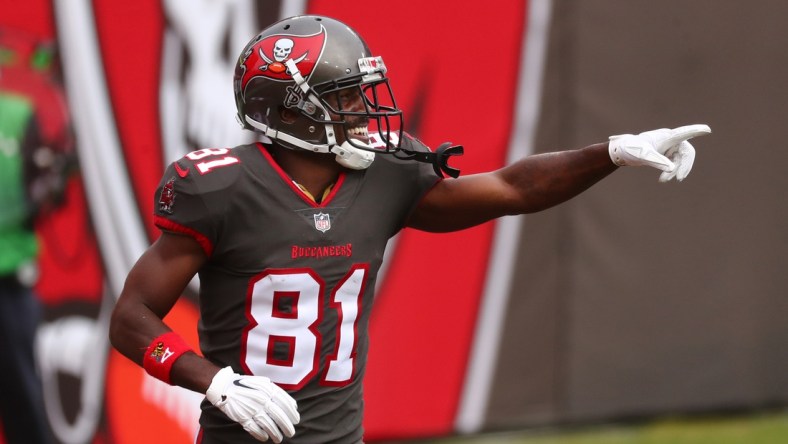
(261, 407)
(665, 149)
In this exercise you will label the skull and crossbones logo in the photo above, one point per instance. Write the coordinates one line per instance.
(282, 50)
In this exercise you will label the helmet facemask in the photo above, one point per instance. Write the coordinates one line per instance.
(357, 113)
(363, 107)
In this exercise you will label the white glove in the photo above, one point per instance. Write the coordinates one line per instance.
(260, 406)
(664, 149)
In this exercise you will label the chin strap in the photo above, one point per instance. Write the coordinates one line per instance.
(346, 154)
(308, 94)
(358, 159)
(439, 158)
(352, 157)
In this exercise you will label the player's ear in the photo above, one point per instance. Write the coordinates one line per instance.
(287, 115)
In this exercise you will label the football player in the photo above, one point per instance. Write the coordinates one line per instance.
(286, 249)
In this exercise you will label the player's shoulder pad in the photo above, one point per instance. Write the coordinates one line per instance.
(208, 170)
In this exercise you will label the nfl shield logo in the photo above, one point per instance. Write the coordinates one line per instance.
(322, 222)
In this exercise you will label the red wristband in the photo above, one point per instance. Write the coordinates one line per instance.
(162, 354)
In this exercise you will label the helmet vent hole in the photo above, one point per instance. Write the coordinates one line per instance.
(287, 26)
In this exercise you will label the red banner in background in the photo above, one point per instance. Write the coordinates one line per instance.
(454, 72)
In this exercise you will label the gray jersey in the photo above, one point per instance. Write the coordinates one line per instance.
(288, 286)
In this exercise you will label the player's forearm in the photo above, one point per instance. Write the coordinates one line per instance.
(546, 180)
(132, 329)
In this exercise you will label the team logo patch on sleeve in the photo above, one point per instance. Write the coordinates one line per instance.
(167, 197)
(322, 222)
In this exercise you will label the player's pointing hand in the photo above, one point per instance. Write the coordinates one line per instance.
(665, 149)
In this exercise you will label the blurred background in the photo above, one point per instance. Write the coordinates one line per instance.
(635, 303)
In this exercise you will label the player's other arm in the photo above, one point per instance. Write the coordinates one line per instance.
(138, 331)
(529, 185)
(152, 287)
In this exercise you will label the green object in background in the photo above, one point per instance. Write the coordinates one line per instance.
(18, 242)
(41, 60)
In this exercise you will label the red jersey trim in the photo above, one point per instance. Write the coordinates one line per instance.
(286, 178)
(334, 189)
(168, 225)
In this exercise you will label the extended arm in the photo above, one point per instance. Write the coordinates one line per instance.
(541, 181)
(531, 184)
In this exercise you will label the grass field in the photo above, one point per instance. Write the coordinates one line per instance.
(761, 428)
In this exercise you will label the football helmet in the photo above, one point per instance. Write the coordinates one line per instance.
(310, 82)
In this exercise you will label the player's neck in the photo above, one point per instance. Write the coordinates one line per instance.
(313, 171)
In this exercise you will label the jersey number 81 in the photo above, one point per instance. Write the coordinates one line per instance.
(293, 332)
